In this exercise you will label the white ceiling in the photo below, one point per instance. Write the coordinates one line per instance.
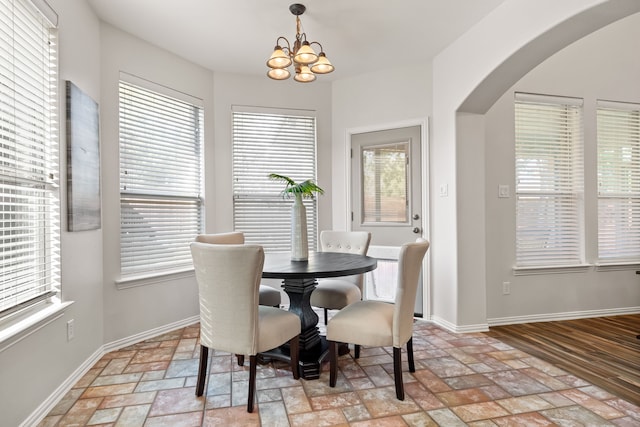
(239, 35)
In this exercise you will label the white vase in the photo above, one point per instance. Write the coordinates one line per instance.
(299, 239)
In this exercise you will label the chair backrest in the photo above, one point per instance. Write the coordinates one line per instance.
(354, 242)
(228, 277)
(409, 267)
(230, 238)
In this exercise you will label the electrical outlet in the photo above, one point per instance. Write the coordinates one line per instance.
(444, 190)
(506, 288)
(71, 333)
(503, 191)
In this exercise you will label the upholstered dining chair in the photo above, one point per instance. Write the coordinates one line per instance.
(377, 323)
(337, 293)
(231, 319)
(268, 295)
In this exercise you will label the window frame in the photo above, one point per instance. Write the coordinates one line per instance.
(34, 141)
(265, 195)
(178, 195)
(618, 136)
(564, 189)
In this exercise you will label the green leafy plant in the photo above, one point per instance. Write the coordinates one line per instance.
(304, 189)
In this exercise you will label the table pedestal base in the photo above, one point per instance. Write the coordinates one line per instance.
(299, 282)
(313, 346)
(310, 364)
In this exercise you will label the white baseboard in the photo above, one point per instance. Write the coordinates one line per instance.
(127, 341)
(481, 327)
(55, 397)
(43, 409)
(550, 317)
(547, 317)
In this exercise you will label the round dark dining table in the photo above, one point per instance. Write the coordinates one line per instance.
(299, 281)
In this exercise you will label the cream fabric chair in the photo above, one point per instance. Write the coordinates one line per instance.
(268, 295)
(376, 323)
(337, 293)
(231, 319)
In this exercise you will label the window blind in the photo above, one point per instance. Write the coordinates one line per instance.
(265, 143)
(160, 180)
(618, 130)
(385, 183)
(549, 180)
(29, 217)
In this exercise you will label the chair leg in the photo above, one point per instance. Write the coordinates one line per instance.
(333, 363)
(240, 358)
(294, 353)
(356, 351)
(253, 360)
(202, 370)
(412, 366)
(325, 316)
(397, 372)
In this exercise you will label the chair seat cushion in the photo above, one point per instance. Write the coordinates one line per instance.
(364, 323)
(335, 294)
(276, 327)
(269, 296)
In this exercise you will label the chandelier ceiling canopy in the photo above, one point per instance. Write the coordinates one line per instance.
(307, 63)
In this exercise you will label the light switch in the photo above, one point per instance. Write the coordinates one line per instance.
(503, 190)
(444, 190)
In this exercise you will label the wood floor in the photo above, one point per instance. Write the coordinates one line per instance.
(604, 351)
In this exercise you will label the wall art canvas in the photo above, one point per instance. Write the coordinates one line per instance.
(83, 161)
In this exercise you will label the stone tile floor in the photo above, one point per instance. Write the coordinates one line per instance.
(460, 380)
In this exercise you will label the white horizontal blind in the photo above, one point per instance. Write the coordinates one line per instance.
(271, 143)
(618, 181)
(160, 180)
(549, 181)
(385, 183)
(29, 217)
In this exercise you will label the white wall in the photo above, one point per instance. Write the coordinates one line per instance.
(603, 65)
(233, 89)
(468, 76)
(91, 55)
(138, 309)
(373, 101)
(34, 367)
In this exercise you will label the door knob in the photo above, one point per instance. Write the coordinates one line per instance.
(416, 230)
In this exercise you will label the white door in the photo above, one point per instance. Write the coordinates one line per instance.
(386, 199)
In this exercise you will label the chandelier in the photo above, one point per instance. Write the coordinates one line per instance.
(306, 61)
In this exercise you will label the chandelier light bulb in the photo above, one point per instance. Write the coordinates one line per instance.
(305, 55)
(279, 59)
(322, 66)
(278, 73)
(304, 75)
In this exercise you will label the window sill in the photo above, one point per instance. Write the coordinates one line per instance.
(551, 269)
(150, 279)
(618, 266)
(21, 325)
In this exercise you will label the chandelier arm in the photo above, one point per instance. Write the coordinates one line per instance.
(288, 46)
(318, 43)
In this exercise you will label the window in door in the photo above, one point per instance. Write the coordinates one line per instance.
(385, 183)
